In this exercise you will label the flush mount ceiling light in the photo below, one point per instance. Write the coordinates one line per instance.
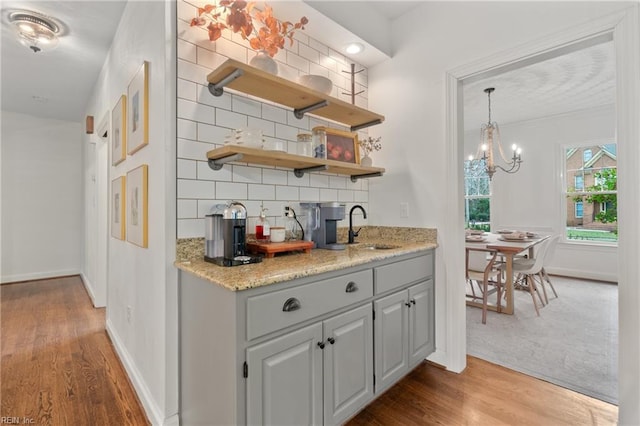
(490, 139)
(353, 48)
(35, 31)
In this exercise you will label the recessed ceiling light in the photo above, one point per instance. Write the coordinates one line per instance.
(353, 48)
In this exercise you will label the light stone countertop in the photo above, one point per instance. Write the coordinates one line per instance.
(190, 255)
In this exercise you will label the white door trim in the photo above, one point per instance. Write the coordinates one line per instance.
(624, 29)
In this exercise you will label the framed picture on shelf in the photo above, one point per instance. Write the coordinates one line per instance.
(137, 206)
(342, 146)
(138, 110)
(119, 131)
(118, 189)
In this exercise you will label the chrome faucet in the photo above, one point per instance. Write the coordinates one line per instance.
(353, 234)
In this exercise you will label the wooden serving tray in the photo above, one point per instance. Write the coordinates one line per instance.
(270, 249)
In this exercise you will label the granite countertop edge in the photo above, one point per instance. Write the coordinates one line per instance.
(299, 265)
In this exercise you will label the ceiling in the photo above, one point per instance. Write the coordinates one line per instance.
(58, 84)
(576, 81)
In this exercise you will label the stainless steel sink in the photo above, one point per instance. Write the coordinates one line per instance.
(376, 246)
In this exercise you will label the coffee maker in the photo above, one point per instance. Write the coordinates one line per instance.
(326, 235)
(234, 226)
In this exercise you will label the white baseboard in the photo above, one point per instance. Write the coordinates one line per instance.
(172, 421)
(38, 275)
(149, 405)
(588, 275)
(89, 287)
(439, 357)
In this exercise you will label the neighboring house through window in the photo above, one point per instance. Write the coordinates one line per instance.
(591, 193)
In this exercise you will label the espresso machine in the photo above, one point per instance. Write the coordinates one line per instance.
(326, 235)
(234, 226)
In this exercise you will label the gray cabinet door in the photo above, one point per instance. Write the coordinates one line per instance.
(421, 322)
(348, 364)
(391, 338)
(284, 385)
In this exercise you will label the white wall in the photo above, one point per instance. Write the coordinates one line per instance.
(41, 197)
(531, 198)
(410, 91)
(204, 120)
(144, 279)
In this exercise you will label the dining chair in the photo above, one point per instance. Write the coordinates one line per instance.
(484, 274)
(529, 269)
(552, 243)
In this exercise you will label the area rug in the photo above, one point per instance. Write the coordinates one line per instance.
(573, 343)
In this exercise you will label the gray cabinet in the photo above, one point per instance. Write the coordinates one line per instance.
(284, 383)
(328, 364)
(404, 332)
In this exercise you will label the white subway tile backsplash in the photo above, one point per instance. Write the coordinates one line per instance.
(293, 180)
(298, 62)
(231, 120)
(345, 195)
(273, 176)
(209, 59)
(192, 72)
(361, 196)
(244, 105)
(302, 124)
(247, 174)
(318, 70)
(193, 150)
(322, 48)
(186, 11)
(268, 127)
(318, 181)
(187, 129)
(328, 63)
(308, 53)
(338, 182)
(207, 173)
(186, 169)
(206, 207)
(196, 112)
(190, 228)
(301, 37)
(205, 97)
(328, 194)
(288, 72)
(196, 189)
(231, 190)
(309, 194)
(262, 192)
(187, 90)
(211, 134)
(286, 132)
(230, 49)
(287, 193)
(274, 113)
(186, 51)
(187, 209)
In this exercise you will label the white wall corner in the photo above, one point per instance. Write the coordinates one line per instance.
(89, 287)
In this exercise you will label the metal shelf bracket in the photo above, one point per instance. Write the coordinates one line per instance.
(363, 125)
(354, 178)
(217, 89)
(300, 172)
(300, 112)
(216, 164)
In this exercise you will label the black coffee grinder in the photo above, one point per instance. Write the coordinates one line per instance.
(234, 226)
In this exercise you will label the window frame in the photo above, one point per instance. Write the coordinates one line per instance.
(468, 197)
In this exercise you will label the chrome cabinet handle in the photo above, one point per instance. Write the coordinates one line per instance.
(292, 304)
(351, 287)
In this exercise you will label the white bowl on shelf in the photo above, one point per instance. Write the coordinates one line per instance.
(316, 82)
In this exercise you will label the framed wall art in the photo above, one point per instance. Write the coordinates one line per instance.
(118, 189)
(137, 205)
(119, 131)
(342, 145)
(138, 110)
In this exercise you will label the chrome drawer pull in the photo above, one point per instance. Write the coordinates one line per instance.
(292, 304)
(351, 287)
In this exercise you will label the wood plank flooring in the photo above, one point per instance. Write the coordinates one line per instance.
(483, 394)
(59, 368)
(58, 364)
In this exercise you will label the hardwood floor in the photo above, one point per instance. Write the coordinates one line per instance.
(484, 394)
(58, 364)
(59, 368)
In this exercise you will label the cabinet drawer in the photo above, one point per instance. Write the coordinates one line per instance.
(395, 275)
(272, 311)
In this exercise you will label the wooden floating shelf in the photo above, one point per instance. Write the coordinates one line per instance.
(263, 157)
(276, 89)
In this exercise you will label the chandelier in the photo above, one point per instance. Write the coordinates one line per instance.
(490, 136)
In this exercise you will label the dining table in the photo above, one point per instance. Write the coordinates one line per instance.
(508, 249)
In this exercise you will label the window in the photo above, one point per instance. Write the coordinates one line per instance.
(477, 195)
(591, 193)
